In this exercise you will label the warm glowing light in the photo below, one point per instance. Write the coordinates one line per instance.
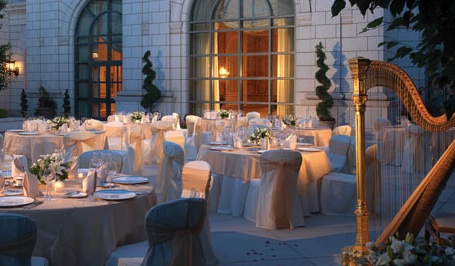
(95, 56)
(223, 72)
(12, 68)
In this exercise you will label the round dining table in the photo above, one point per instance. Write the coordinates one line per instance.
(32, 144)
(235, 168)
(319, 136)
(84, 231)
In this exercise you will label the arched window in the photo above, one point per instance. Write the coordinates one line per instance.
(242, 56)
(98, 56)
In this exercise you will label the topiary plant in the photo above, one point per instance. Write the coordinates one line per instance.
(47, 106)
(152, 93)
(3, 113)
(24, 104)
(323, 107)
(66, 104)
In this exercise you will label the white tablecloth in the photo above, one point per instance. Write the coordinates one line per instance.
(241, 165)
(79, 232)
(321, 136)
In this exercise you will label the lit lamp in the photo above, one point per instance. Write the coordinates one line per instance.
(95, 56)
(223, 73)
(12, 68)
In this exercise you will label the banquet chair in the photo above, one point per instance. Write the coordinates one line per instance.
(17, 240)
(122, 158)
(338, 194)
(170, 178)
(192, 122)
(342, 130)
(196, 180)
(97, 124)
(115, 134)
(77, 142)
(416, 152)
(170, 118)
(338, 153)
(259, 121)
(252, 115)
(278, 203)
(379, 126)
(155, 155)
(202, 137)
(173, 236)
(135, 142)
(175, 136)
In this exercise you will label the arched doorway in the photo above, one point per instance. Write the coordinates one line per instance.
(98, 57)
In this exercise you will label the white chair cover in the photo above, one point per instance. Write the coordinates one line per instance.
(122, 158)
(252, 115)
(379, 127)
(175, 136)
(97, 124)
(241, 122)
(170, 178)
(192, 121)
(342, 130)
(339, 190)
(338, 153)
(190, 147)
(135, 142)
(173, 232)
(170, 118)
(278, 200)
(77, 142)
(202, 137)
(115, 134)
(259, 121)
(416, 152)
(156, 151)
(196, 179)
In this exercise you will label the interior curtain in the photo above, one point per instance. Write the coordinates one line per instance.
(283, 70)
(215, 69)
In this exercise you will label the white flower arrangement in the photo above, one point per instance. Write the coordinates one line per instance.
(289, 120)
(53, 161)
(57, 122)
(224, 114)
(137, 116)
(410, 251)
(259, 133)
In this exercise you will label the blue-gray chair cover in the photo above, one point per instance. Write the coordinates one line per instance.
(173, 232)
(17, 239)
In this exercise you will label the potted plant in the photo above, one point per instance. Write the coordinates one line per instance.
(152, 93)
(24, 104)
(326, 103)
(66, 104)
(47, 106)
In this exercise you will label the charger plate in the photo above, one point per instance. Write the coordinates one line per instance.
(130, 180)
(15, 201)
(114, 194)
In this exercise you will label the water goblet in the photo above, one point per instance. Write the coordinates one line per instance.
(48, 176)
(112, 172)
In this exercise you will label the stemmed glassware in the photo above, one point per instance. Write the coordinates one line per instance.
(48, 175)
(97, 160)
(112, 166)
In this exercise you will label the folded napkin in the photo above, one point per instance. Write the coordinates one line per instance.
(103, 172)
(2, 181)
(291, 142)
(64, 128)
(19, 165)
(30, 185)
(89, 183)
(73, 171)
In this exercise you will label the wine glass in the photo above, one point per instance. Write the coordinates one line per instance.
(97, 160)
(47, 174)
(112, 167)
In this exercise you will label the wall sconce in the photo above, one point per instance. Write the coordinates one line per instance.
(12, 68)
(95, 56)
(223, 73)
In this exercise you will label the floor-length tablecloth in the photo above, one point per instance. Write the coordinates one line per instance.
(236, 168)
(79, 232)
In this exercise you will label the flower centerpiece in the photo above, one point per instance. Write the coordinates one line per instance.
(410, 251)
(57, 122)
(137, 116)
(53, 161)
(260, 133)
(224, 114)
(289, 120)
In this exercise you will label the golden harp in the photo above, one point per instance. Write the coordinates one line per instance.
(412, 216)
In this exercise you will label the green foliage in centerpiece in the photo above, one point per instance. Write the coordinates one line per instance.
(224, 114)
(259, 133)
(137, 116)
(53, 161)
(57, 122)
(289, 120)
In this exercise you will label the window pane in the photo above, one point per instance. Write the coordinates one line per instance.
(83, 90)
(228, 63)
(226, 42)
(200, 44)
(200, 67)
(200, 90)
(82, 54)
(255, 41)
(255, 66)
(283, 91)
(83, 71)
(283, 65)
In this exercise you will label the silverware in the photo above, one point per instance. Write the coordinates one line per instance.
(33, 205)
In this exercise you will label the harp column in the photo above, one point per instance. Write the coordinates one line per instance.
(358, 68)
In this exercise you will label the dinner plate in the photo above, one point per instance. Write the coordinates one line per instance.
(309, 149)
(75, 194)
(114, 194)
(15, 130)
(15, 201)
(106, 184)
(304, 144)
(29, 133)
(221, 148)
(13, 192)
(130, 180)
(261, 151)
(217, 143)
